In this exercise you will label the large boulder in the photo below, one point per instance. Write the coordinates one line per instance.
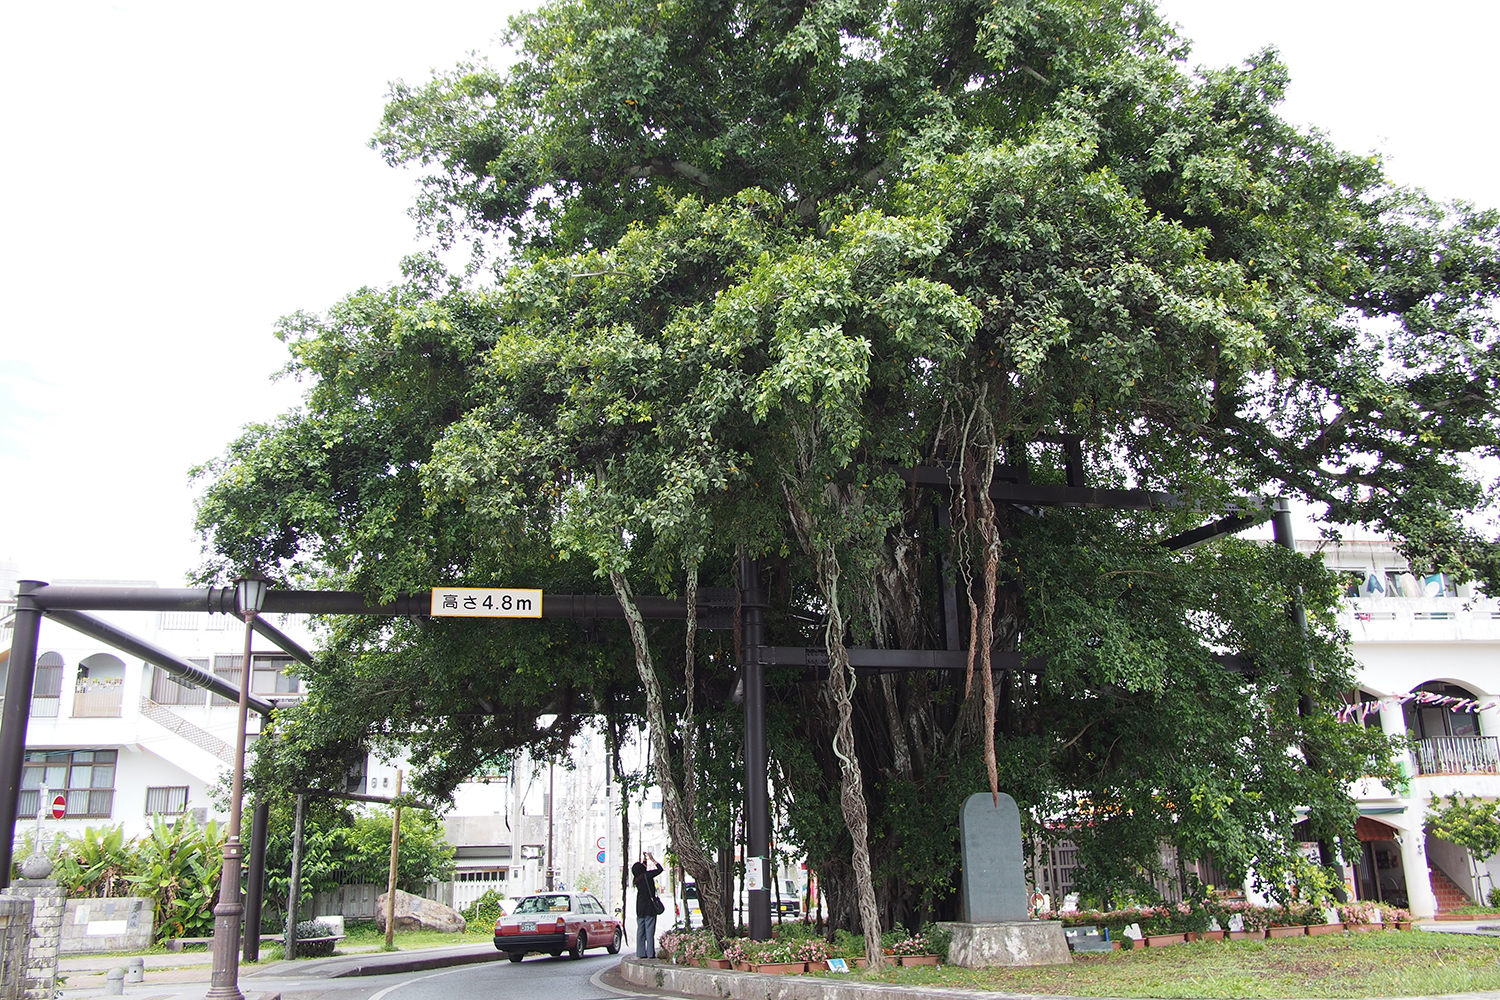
(413, 913)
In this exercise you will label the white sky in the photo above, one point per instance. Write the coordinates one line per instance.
(180, 175)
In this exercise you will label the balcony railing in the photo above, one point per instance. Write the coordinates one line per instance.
(1459, 755)
(97, 699)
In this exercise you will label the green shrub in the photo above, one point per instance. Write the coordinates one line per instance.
(484, 911)
(311, 929)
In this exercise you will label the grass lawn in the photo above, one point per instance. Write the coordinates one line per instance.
(365, 932)
(365, 936)
(1334, 965)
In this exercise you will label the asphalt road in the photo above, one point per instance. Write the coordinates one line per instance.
(539, 977)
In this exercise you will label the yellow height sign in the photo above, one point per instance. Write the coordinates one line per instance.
(486, 602)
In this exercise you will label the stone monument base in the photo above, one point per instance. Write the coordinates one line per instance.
(1008, 942)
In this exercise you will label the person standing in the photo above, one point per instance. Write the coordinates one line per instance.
(647, 906)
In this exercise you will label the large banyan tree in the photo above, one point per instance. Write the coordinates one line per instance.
(735, 265)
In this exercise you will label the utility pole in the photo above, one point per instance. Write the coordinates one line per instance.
(390, 892)
(551, 805)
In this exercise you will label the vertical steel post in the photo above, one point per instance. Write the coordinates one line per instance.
(390, 889)
(27, 626)
(255, 887)
(230, 911)
(1281, 531)
(757, 795)
(295, 888)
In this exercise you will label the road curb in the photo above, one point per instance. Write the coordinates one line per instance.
(656, 974)
(414, 964)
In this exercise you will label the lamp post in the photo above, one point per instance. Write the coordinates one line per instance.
(249, 595)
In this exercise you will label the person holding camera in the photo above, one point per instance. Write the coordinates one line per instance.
(647, 905)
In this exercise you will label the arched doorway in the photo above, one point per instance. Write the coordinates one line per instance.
(99, 689)
(1444, 721)
(1381, 876)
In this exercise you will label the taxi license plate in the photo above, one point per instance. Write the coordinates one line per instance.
(528, 925)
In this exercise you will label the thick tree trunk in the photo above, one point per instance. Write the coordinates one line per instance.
(840, 692)
(681, 827)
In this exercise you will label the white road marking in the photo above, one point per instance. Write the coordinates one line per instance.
(446, 972)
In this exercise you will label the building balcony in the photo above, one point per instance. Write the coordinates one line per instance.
(1458, 755)
(97, 699)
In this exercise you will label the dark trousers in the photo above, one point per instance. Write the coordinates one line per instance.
(645, 937)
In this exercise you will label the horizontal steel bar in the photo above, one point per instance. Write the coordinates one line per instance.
(342, 602)
(68, 597)
(1043, 495)
(281, 639)
(320, 793)
(334, 602)
(1233, 524)
(155, 655)
(892, 659)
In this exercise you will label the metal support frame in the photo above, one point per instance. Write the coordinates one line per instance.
(26, 626)
(255, 885)
(1281, 530)
(97, 628)
(757, 760)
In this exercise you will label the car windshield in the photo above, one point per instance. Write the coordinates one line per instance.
(544, 904)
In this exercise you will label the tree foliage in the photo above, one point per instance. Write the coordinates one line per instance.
(752, 258)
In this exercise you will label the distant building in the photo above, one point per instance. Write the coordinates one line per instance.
(125, 742)
(1429, 669)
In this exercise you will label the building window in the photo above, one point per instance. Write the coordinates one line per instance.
(179, 621)
(170, 800)
(46, 686)
(169, 690)
(227, 669)
(271, 674)
(268, 674)
(86, 777)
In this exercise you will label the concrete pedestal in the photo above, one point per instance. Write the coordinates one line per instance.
(1008, 942)
(47, 897)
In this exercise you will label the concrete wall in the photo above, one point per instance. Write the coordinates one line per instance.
(94, 925)
(15, 934)
(46, 897)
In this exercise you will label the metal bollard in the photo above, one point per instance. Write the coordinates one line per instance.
(135, 970)
(114, 983)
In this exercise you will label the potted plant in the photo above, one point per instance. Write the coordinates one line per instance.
(1253, 921)
(737, 953)
(1358, 916)
(1161, 926)
(1284, 921)
(813, 951)
(913, 950)
(774, 957)
(1397, 918)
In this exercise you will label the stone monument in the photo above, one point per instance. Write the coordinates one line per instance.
(996, 928)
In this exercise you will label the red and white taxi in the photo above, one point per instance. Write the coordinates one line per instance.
(557, 922)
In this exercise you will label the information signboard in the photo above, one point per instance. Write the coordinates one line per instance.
(486, 602)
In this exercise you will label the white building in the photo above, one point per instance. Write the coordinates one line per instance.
(1429, 668)
(502, 823)
(124, 742)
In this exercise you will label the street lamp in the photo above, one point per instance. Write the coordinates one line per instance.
(249, 596)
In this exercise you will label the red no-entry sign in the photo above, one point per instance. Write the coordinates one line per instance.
(59, 806)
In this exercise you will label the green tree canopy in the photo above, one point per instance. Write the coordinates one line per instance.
(750, 259)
